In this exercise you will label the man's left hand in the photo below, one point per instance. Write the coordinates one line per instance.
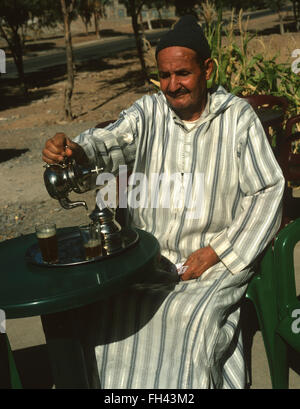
(198, 262)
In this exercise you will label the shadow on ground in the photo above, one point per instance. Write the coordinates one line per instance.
(39, 83)
(12, 96)
(132, 80)
(8, 154)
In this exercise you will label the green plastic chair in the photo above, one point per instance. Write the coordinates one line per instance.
(273, 294)
(9, 376)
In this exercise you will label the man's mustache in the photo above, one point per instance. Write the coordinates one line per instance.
(177, 93)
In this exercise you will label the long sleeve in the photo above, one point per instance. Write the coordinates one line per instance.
(258, 217)
(114, 145)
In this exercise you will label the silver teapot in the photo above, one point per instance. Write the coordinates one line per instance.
(61, 179)
(104, 219)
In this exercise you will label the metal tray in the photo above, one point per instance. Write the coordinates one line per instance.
(71, 252)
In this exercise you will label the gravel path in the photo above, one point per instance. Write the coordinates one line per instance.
(24, 200)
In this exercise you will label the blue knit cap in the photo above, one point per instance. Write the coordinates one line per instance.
(186, 33)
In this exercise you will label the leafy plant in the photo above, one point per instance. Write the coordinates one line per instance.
(240, 72)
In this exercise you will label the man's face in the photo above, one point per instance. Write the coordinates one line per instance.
(183, 81)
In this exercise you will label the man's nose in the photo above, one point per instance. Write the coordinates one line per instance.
(174, 84)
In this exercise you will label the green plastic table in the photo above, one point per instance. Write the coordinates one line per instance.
(58, 295)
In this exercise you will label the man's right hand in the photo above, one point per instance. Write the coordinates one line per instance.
(59, 147)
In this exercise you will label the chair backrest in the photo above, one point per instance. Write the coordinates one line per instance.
(259, 100)
(289, 159)
(105, 123)
(264, 106)
(284, 261)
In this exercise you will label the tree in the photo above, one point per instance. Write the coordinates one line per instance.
(10, 29)
(14, 17)
(85, 10)
(98, 12)
(134, 8)
(67, 7)
(186, 7)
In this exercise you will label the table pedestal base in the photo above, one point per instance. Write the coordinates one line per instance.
(66, 353)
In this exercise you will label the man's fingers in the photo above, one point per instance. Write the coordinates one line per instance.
(52, 158)
(187, 273)
(54, 151)
(59, 139)
(59, 147)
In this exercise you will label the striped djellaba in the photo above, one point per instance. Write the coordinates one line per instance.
(186, 334)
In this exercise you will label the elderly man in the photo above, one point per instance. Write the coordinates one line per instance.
(191, 339)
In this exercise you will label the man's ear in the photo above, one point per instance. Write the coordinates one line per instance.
(209, 67)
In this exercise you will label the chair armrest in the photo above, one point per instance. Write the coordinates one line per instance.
(287, 328)
(105, 123)
(286, 157)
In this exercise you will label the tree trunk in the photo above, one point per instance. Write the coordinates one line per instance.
(281, 25)
(160, 18)
(296, 10)
(138, 38)
(18, 59)
(69, 54)
(96, 20)
(86, 25)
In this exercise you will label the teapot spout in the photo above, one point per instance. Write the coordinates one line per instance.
(67, 204)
